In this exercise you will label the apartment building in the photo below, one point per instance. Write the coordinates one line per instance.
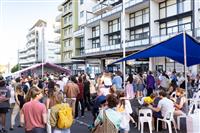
(147, 22)
(39, 47)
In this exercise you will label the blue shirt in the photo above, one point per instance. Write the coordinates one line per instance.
(117, 81)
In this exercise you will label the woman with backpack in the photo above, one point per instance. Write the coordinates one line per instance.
(61, 117)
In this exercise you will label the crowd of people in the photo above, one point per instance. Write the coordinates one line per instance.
(44, 102)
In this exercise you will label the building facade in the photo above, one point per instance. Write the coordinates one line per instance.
(147, 22)
(39, 47)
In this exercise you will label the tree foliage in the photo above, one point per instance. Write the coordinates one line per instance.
(15, 68)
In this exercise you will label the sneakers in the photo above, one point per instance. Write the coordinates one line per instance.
(3, 130)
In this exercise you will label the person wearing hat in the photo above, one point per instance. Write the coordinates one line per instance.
(4, 102)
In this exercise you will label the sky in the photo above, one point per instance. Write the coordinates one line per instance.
(16, 18)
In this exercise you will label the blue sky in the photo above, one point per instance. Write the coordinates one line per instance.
(16, 18)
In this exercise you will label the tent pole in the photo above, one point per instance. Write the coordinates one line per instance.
(123, 38)
(185, 66)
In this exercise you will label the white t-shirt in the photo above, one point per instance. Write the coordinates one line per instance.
(62, 84)
(165, 104)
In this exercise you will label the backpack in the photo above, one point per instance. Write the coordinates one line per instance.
(65, 117)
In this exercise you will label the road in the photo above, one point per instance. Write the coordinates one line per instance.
(79, 125)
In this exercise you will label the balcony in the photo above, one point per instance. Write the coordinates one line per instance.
(67, 24)
(160, 38)
(100, 8)
(117, 9)
(57, 40)
(131, 3)
(60, 7)
(58, 18)
(68, 36)
(68, 11)
(79, 33)
(92, 50)
(66, 49)
(57, 29)
(158, 1)
(110, 47)
(94, 19)
(57, 51)
(137, 43)
(31, 45)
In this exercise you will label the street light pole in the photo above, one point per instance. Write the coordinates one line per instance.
(123, 39)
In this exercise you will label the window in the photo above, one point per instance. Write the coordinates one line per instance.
(70, 30)
(139, 17)
(176, 26)
(81, 14)
(65, 8)
(114, 25)
(70, 18)
(65, 20)
(69, 43)
(81, 42)
(139, 34)
(173, 7)
(95, 31)
(81, 2)
(96, 43)
(65, 32)
(114, 39)
(70, 6)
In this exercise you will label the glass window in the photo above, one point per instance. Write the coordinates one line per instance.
(81, 2)
(81, 14)
(65, 20)
(70, 6)
(95, 31)
(65, 7)
(114, 25)
(139, 34)
(65, 32)
(139, 17)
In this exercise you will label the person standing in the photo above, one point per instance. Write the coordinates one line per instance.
(80, 98)
(71, 91)
(150, 83)
(34, 113)
(4, 102)
(19, 101)
(86, 92)
(117, 81)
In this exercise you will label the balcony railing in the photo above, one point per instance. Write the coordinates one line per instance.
(135, 43)
(101, 7)
(92, 50)
(68, 23)
(160, 38)
(58, 18)
(132, 3)
(79, 33)
(57, 29)
(69, 10)
(94, 19)
(118, 8)
(57, 40)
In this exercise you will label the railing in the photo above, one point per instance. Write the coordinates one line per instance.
(100, 7)
(159, 38)
(118, 8)
(67, 23)
(92, 50)
(57, 39)
(58, 18)
(79, 32)
(57, 29)
(132, 3)
(135, 43)
(93, 19)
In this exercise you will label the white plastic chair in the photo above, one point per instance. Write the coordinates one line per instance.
(194, 105)
(145, 115)
(168, 118)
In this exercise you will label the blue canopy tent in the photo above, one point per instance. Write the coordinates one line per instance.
(182, 48)
(172, 48)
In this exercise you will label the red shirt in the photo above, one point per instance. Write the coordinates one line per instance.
(33, 112)
(80, 95)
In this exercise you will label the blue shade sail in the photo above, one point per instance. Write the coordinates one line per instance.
(172, 48)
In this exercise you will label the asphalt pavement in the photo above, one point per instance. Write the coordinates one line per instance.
(81, 124)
